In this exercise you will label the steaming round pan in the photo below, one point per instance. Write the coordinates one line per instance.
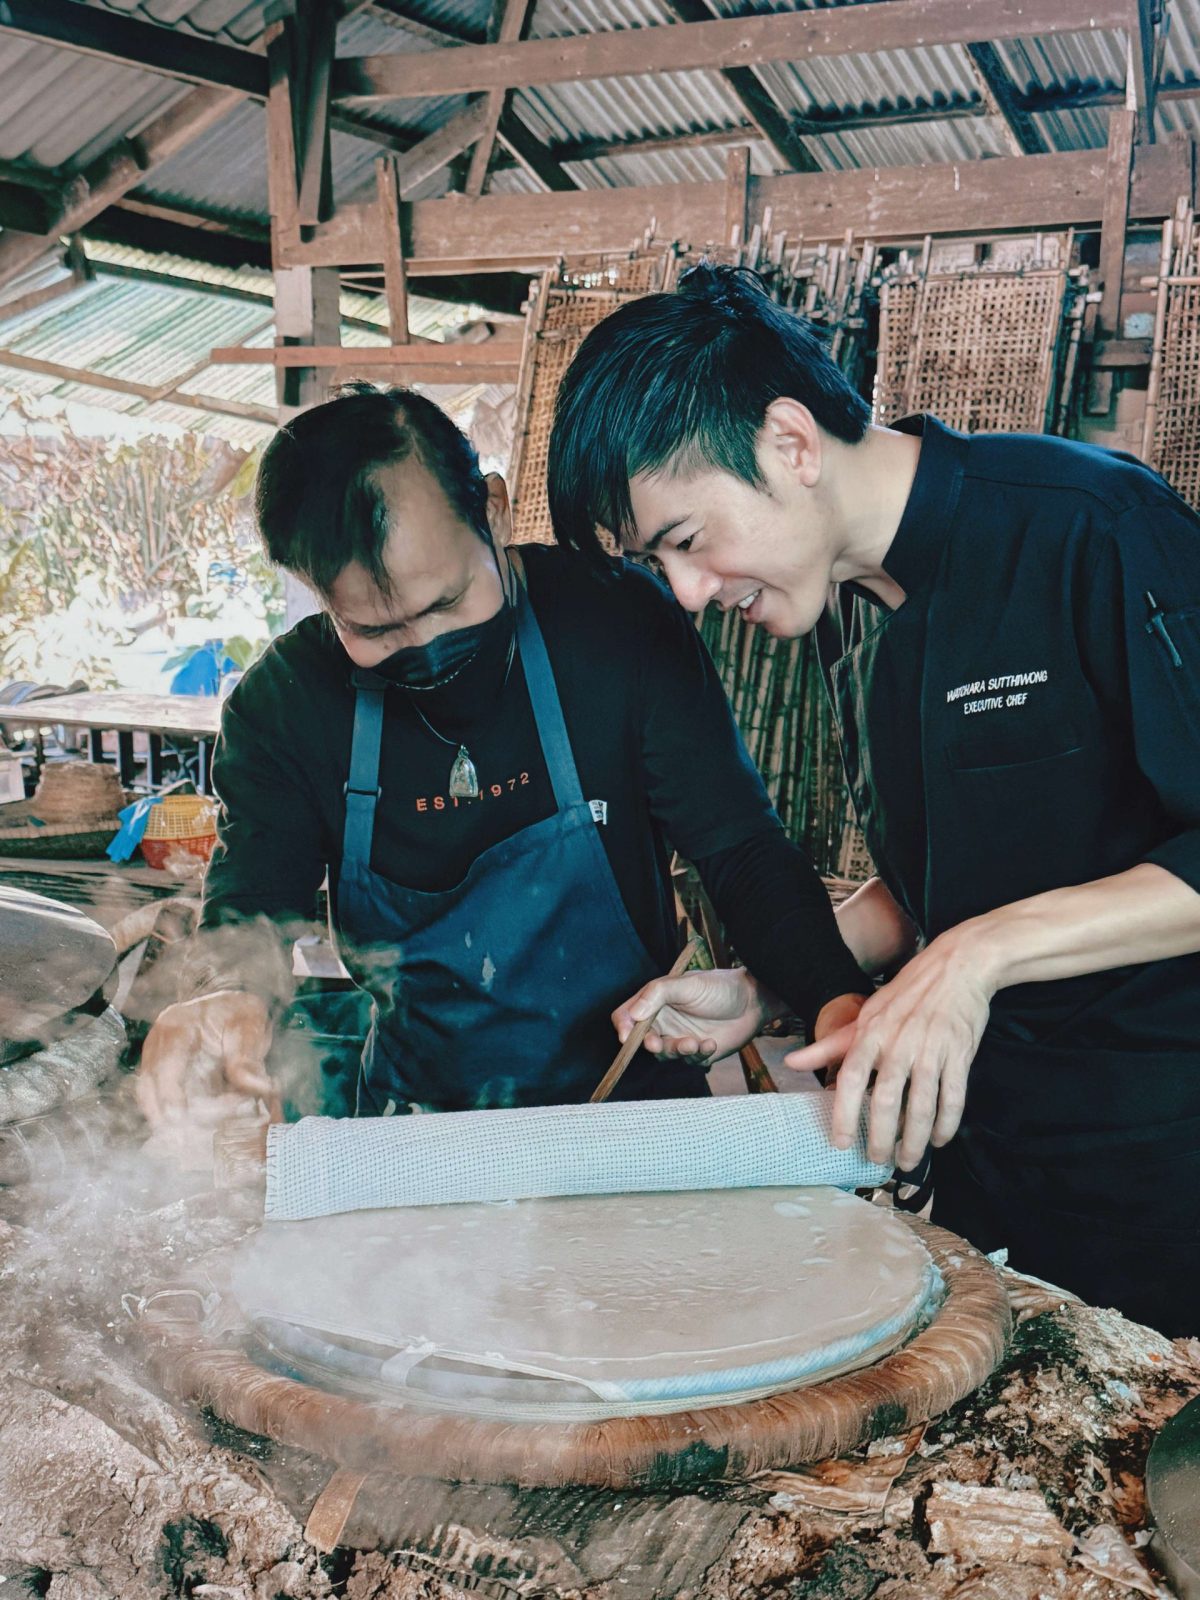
(197, 1341)
(53, 959)
(579, 1308)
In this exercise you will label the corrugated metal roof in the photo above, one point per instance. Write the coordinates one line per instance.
(230, 21)
(60, 110)
(159, 335)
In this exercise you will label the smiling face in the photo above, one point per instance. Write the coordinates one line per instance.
(768, 550)
(442, 575)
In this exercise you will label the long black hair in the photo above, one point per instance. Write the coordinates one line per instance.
(683, 379)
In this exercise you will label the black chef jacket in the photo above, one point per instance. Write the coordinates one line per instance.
(1029, 718)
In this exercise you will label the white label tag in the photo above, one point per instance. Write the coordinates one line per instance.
(599, 811)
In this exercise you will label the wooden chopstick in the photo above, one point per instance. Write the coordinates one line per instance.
(634, 1042)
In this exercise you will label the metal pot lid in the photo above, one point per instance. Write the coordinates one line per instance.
(53, 958)
(1173, 1495)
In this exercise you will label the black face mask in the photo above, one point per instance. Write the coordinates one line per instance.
(424, 667)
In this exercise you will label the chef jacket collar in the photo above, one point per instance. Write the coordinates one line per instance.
(913, 555)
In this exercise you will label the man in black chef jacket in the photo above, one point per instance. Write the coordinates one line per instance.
(1010, 632)
(487, 755)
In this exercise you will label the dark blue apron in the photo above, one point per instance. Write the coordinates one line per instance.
(498, 992)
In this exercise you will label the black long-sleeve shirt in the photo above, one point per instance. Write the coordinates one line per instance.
(653, 739)
(1030, 717)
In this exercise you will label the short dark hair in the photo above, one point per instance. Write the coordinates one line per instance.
(683, 378)
(317, 499)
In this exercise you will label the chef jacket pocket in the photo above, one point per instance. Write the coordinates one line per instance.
(1010, 738)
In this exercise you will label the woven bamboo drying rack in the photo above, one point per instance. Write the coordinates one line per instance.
(981, 346)
(1171, 442)
(568, 303)
(944, 1363)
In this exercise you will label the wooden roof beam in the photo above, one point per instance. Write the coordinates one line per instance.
(447, 363)
(789, 150)
(795, 36)
(509, 22)
(524, 232)
(154, 395)
(528, 151)
(1145, 63)
(1001, 98)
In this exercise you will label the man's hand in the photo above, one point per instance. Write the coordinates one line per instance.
(702, 1016)
(840, 1012)
(917, 1038)
(202, 1050)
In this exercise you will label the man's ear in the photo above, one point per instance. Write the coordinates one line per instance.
(499, 509)
(791, 436)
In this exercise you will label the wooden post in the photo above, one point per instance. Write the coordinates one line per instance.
(1143, 65)
(395, 277)
(312, 35)
(737, 191)
(281, 146)
(1121, 127)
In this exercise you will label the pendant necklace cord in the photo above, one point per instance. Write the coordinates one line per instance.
(464, 779)
(512, 650)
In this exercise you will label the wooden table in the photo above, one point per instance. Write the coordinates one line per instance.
(195, 717)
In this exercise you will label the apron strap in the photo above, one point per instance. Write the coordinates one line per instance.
(362, 788)
(547, 709)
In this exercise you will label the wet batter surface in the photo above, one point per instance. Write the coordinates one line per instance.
(662, 1298)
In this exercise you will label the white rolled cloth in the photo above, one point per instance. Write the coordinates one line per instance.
(321, 1166)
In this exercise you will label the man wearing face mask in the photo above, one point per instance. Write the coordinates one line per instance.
(488, 755)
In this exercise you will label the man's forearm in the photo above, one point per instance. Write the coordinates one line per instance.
(875, 928)
(1143, 914)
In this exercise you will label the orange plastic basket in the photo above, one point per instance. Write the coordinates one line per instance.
(180, 822)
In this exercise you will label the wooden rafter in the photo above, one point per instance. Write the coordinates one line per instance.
(528, 151)
(314, 37)
(1002, 99)
(509, 22)
(1144, 64)
(155, 394)
(755, 40)
(790, 151)
(478, 361)
(441, 146)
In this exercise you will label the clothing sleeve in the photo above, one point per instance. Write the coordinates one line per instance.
(712, 804)
(261, 887)
(781, 923)
(1158, 653)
